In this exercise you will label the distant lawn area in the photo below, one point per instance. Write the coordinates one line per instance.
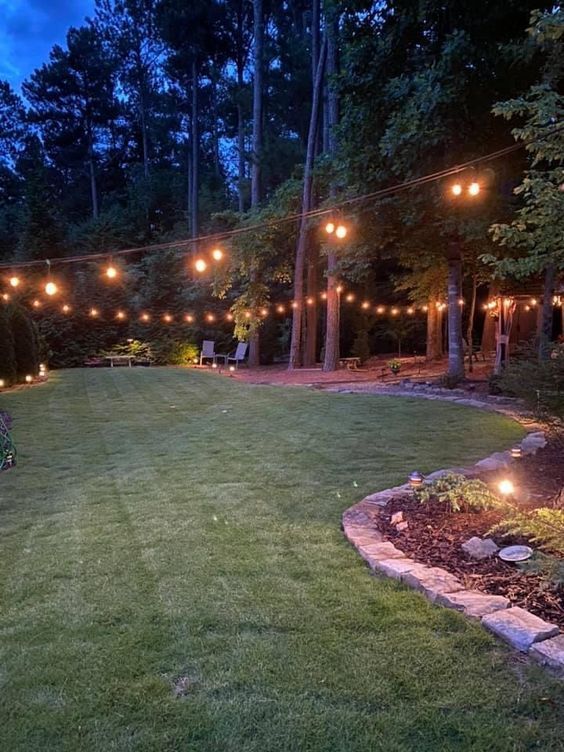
(173, 577)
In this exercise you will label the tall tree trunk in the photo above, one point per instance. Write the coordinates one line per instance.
(92, 170)
(546, 316)
(298, 311)
(258, 25)
(470, 327)
(434, 331)
(488, 333)
(144, 140)
(312, 311)
(332, 329)
(240, 64)
(315, 46)
(258, 28)
(195, 154)
(455, 349)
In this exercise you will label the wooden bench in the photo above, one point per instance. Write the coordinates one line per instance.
(351, 363)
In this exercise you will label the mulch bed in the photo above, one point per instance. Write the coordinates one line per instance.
(435, 535)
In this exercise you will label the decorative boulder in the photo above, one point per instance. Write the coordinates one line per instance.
(480, 548)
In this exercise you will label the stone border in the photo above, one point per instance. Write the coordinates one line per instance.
(521, 629)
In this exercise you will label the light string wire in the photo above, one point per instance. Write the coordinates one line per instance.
(178, 245)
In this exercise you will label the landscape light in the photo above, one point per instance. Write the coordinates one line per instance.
(415, 479)
(516, 452)
(456, 189)
(14, 281)
(51, 288)
(217, 254)
(200, 265)
(341, 231)
(2, 383)
(474, 189)
(28, 379)
(506, 487)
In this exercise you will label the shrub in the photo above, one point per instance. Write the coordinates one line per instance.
(172, 352)
(544, 526)
(7, 354)
(25, 343)
(459, 493)
(361, 347)
(540, 384)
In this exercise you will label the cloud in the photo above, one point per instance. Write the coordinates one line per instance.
(30, 28)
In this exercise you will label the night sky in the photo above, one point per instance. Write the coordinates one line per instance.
(28, 30)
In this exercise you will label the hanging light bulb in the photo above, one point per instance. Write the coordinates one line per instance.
(341, 231)
(66, 308)
(188, 318)
(330, 228)
(167, 318)
(120, 315)
(365, 305)
(217, 254)
(111, 272)
(51, 288)
(200, 265)
(456, 189)
(145, 317)
(93, 312)
(5, 297)
(210, 317)
(36, 304)
(280, 309)
(350, 297)
(14, 281)
(474, 188)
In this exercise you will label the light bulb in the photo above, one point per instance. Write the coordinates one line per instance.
(167, 317)
(66, 308)
(341, 231)
(456, 189)
(330, 228)
(474, 189)
(145, 317)
(189, 318)
(217, 254)
(28, 379)
(93, 312)
(111, 272)
(200, 265)
(506, 487)
(14, 281)
(51, 288)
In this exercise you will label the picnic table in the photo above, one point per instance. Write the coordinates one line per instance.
(120, 360)
(351, 363)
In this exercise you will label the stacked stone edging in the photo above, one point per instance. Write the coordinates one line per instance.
(521, 629)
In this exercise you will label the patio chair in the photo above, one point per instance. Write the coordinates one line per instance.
(238, 355)
(208, 351)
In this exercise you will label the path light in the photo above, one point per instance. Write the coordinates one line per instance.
(200, 265)
(28, 379)
(14, 281)
(2, 383)
(415, 479)
(506, 487)
(231, 371)
(214, 365)
(516, 452)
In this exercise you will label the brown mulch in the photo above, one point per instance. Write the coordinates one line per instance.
(435, 535)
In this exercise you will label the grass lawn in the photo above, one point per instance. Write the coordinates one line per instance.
(167, 527)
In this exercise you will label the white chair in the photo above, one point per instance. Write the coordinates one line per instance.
(239, 355)
(208, 351)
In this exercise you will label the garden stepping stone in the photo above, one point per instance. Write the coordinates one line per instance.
(473, 603)
(480, 548)
(432, 581)
(550, 652)
(533, 442)
(519, 628)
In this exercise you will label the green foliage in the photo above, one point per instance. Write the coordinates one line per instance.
(551, 568)
(134, 347)
(459, 493)
(540, 384)
(544, 526)
(170, 351)
(361, 346)
(7, 353)
(25, 343)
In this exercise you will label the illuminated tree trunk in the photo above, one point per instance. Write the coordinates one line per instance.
(488, 333)
(434, 331)
(470, 328)
(455, 350)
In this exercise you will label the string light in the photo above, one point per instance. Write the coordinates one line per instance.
(330, 228)
(341, 232)
(294, 304)
(145, 317)
(280, 309)
(394, 311)
(210, 317)
(365, 305)
(200, 265)
(120, 315)
(264, 312)
(93, 312)
(309, 301)
(410, 311)
(380, 309)
(14, 281)
(167, 318)
(474, 189)
(534, 302)
(323, 296)
(66, 308)
(349, 298)
(51, 288)
(425, 308)
(217, 254)
(247, 314)
(229, 316)
(2, 383)
(189, 318)
(36, 304)
(339, 289)
(456, 189)
(111, 272)
(5, 297)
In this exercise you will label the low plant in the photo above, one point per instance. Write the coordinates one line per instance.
(543, 526)
(394, 366)
(459, 494)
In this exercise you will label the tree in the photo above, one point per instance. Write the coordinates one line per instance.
(537, 232)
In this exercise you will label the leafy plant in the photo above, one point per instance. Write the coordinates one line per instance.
(394, 366)
(544, 526)
(459, 493)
